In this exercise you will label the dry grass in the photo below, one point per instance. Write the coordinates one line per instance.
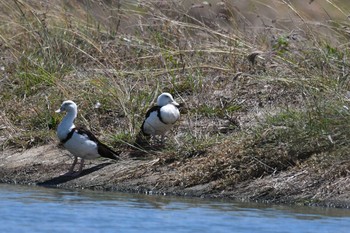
(259, 97)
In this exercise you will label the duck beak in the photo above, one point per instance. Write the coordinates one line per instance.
(175, 103)
(58, 110)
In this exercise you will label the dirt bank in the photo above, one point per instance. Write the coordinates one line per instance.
(154, 174)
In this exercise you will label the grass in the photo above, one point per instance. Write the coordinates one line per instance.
(255, 102)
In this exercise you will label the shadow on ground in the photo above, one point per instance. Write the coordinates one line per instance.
(64, 178)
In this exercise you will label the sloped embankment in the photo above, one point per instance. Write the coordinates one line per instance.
(155, 174)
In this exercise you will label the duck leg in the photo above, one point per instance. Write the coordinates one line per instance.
(71, 169)
(81, 165)
(162, 139)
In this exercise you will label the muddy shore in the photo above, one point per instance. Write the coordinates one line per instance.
(153, 175)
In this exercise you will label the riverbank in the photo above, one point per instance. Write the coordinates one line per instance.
(158, 175)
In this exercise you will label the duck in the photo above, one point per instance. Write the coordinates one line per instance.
(79, 141)
(159, 119)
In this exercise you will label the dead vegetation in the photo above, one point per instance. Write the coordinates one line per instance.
(261, 95)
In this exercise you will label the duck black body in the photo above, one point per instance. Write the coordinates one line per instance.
(80, 142)
(159, 119)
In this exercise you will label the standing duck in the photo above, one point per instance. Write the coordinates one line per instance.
(159, 119)
(80, 142)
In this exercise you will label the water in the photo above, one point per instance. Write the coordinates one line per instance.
(35, 209)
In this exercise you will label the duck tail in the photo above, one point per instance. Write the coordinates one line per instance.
(107, 152)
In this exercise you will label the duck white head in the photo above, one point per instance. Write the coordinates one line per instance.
(68, 106)
(166, 98)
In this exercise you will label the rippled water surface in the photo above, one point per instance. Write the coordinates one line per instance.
(34, 209)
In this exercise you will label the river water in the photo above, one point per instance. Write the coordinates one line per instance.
(38, 209)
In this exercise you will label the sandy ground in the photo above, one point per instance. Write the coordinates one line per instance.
(45, 165)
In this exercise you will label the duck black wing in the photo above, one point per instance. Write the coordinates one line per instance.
(142, 137)
(102, 149)
(153, 109)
